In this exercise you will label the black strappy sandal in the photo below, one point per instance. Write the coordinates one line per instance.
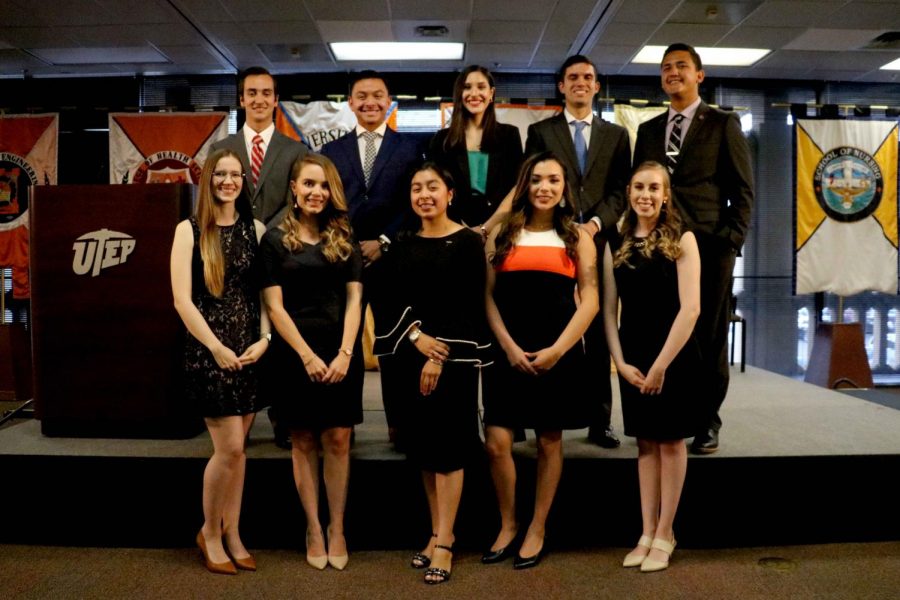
(438, 575)
(419, 560)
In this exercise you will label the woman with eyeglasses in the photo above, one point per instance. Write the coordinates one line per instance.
(216, 292)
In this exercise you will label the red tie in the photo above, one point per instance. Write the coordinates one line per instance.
(256, 158)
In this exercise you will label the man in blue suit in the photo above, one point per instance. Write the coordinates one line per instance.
(375, 164)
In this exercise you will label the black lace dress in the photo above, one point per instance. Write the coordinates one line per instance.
(233, 318)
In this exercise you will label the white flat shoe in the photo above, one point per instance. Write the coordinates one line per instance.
(633, 559)
(649, 565)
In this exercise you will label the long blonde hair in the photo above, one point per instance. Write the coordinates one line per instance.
(666, 235)
(334, 224)
(207, 207)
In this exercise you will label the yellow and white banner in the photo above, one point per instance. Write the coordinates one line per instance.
(520, 115)
(317, 123)
(846, 207)
(28, 156)
(630, 117)
(162, 147)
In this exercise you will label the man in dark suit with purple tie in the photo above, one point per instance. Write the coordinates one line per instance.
(375, 165)
(712, 186)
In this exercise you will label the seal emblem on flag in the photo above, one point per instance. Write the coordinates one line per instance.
(16, 176)
(848, 184)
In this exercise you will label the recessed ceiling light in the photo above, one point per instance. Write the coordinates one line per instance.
(892, 66)
(397, 50)
(723, 57)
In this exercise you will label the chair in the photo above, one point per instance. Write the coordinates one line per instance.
(735, 320)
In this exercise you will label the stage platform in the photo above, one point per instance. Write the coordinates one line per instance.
(798, 464)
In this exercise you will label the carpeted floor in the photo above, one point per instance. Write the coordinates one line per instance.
(846, 571)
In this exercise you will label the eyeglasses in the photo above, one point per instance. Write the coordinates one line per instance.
(222, 175)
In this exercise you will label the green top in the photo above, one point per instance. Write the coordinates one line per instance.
(478, 170)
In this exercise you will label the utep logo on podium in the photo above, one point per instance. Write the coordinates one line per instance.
(101, 249)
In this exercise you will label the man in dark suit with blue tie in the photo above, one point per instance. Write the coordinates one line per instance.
(375, 165)
(712, 185)
(597, 156)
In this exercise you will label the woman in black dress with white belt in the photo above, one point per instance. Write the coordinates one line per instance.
(216, 290)
(313, 295)
(654, 269)
(434, 326)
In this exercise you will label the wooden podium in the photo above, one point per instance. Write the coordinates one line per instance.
(838, 357)
(107, 342)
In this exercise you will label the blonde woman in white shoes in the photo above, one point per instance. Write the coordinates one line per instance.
(653, 268)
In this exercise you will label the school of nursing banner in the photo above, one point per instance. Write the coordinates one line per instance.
(317, 123)
(28, 156)
(846, 207)
(630, 117)
(520, 115)
(162, 147)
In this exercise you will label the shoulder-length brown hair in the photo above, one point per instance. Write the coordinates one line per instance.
(334, 224)
(522, 210)
(459, 120)
(665, 237)
(207, 208)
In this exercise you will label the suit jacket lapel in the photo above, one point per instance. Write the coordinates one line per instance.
(696, 123)
(351, 141)
(276, 145)
(388, 144)
(564, 138)
(594, 147)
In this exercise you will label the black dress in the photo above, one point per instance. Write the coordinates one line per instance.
(233, 318)
(504, 158)
(314, 293)
(648, 289)
(534, 292)
(437, 284)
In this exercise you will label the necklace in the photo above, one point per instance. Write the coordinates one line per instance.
(639, 242)
(538, 229)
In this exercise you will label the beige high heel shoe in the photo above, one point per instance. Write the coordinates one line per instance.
(316, 562)
(649, 565)
(633, 559)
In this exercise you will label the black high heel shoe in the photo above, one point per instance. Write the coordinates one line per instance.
(419, 560)
(526, 562)
(496, 556)
(435, 575)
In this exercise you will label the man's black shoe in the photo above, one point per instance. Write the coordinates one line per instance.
(706, 442)
(604, 439)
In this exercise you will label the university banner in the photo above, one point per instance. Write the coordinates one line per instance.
(630, 117)
(520, 115)
(846, 207)
(28, 156)
(162, 147)
(317, 123)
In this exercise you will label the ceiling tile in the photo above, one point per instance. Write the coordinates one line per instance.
(760, 37)
(494, 10)
(615, 54)
(269, 10)
(832, 39)
(348, 10)
(792, 13)
(36, 37)
(725, 13)
(696, 35)
(507, 55)
(295, 53)
(562, 31)
(627, 34)
(188, 54)
(505, 32)
(435, 11)
(282, 32)
(405, 31)
(356, 31)
(862, 15)
(647, 11)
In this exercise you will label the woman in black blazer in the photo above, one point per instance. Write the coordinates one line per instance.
(482, 155)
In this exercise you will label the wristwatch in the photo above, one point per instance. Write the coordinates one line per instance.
(267, 337)
(348, 352)
(385, 242)
(414, 335)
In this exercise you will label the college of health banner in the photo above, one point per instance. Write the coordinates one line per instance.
(317, 123)
(520, 115)
(846, 207)
(28, 156)
(630, 117)
(162, 147)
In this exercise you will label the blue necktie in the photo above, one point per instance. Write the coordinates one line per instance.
(580, 145)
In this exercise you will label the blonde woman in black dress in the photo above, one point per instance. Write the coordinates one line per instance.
(654, 269)
(216, 291)
(313, 292)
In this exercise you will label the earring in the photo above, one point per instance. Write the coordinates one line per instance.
(562, 203)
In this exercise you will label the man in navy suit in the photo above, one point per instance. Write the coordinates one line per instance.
(269, 191)
(712, 187)
(598, 191)
(375, 164)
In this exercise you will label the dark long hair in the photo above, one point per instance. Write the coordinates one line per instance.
(665, 237)
(456, 135)
(522, 210)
